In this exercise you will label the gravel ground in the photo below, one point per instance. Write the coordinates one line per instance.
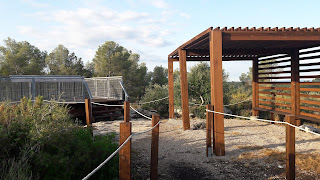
(182, 154)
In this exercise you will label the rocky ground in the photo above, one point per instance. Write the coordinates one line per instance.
(254, 150)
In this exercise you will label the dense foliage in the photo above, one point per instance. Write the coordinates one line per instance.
(40, 141)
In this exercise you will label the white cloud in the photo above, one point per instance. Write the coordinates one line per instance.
(160, 4)
(185, 15)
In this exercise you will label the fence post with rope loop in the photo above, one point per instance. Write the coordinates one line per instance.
(88, 110)
(126, 113)
(290, 147)
(209, 126)
(154, 147)
(125, 151)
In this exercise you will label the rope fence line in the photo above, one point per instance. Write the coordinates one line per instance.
(264, 120)
(152, 101)
(117, 150)
(224, 105)
(140, 113)
(108, 105)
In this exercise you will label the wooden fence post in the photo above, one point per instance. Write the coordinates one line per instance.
(208, 128)
(290, 148)
(88, 110)
(125, 152)
(154, 148)
(126, 111)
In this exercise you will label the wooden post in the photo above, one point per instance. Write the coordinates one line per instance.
(295, 85)
(208, 128)
(154, 148)
(217, 89)
(126, 112)
(255, 87)
(184, 89)
(88, 110)
(171, 88)
(125, 152)
(290, 148)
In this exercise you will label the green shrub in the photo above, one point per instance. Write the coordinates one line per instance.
(40, 141)
(155, 92)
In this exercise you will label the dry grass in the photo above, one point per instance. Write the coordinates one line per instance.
(249, 147)
(233, 133)
(307, 162)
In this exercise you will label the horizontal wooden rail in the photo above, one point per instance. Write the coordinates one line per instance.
(310, 102)
(275, 67)
(275, 98)
(309, 70)
(276, 77)
(309, 57)
(276, 72)
(274, 103)
(310, 64)
(273, 62)
(309, 118)
(270, 110)
(276, 109)
(309, 95)
(270, 58)
(274, 82)
(315, 76)
(275, 93)
(309, 83)
(310, 52)
(310, 89)
(310, 108)
(310, 115)
(276, 88)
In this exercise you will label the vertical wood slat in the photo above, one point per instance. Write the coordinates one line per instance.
(290, 148)
(126, 114)
(255, 87)
(208, 128)
(154, 148)
(88, 110)
(295, 84)
(217, 89)
(171, 88)
(125, 152)
(184, 89)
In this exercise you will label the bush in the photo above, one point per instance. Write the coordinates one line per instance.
(40, 141)
(155, 92)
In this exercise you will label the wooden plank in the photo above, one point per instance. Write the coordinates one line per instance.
(310, 115)
(275, 99)
(309, 70)
(273, 111)
(126, 111)
(276, 104)
(310, 108)
(314, 76)
(310, 83)
(310, 102)
(274, 82)
(276, 88)
(274, 93)
(310, 118)
(276, 77)
(217, 93)
(310, 89)
(295, 85)
(88, 110)
(154, 148)
(271, 36)
(125, 152)
(310, 96)
(276, 62)
(290, 148)
(184, 89)
(276, 72)
(310, 64)
(274, 67)
(209, 121)
(271, 58)
(310, 52)
(255, 87)
(310, 57)
(171, 88)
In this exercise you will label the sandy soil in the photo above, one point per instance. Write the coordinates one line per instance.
(182, 154)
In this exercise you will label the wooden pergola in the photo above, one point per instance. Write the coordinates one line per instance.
(256, 44)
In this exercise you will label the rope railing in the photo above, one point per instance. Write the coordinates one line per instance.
(264, 120)
(224, 105)
(140, 113)
(124, 143)
(152, 101)
(107, 105)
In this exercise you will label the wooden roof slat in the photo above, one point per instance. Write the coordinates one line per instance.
(260, 29)
(224, 29)
(231, 29)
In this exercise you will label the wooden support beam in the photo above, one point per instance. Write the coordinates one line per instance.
(154, 148)
(125, 152)
(208, 128)
(184, 89)
(255, 87)
(126, 112)
(295, 85)
(290, 148)
(170, 88)
(217, 89)
(88, 110)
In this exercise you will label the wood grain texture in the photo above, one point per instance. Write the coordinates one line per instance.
(290, 148)
(255, 87)
(125, 152)
(170, 88)
(154, 148)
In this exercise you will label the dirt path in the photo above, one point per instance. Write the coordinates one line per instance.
(254, 150)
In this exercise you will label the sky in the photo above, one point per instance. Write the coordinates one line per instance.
(151, 28)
